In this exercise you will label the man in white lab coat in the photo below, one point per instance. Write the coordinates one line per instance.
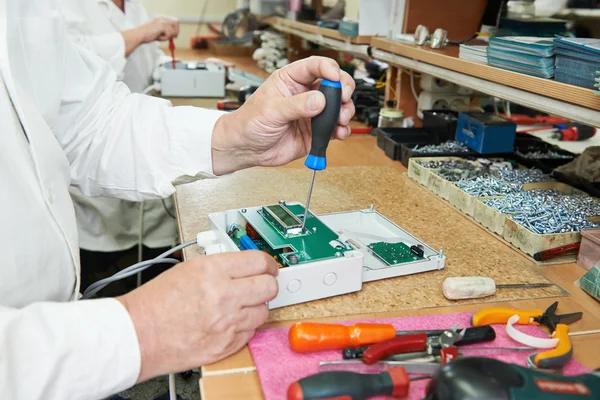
(66, 121)
(120, 32)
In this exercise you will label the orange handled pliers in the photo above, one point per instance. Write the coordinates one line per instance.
(558, 324)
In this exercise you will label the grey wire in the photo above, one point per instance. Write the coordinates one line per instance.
(135, 268)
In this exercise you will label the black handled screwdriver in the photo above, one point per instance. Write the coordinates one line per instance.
(322, 127)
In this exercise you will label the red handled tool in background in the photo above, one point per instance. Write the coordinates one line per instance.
(414, 343)
(172, 50)
(574, 132)
(546, 255)
(522, 119)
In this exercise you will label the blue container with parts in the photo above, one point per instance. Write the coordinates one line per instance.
(486, 133)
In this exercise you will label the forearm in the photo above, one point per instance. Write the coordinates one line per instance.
(125, 145)
(230, 152)
(133, 39)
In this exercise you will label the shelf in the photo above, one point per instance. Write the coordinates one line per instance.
(573, 102)
(329, 38)
(311, 27)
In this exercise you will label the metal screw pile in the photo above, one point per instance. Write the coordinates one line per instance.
(521, 176)
(450, 164)
(458, 171)
(549, 211)
(450, 146)
(454, 171)
(488, 186)
(540, 155)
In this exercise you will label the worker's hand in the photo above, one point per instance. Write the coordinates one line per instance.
(201, 311)
(273, 127)
(160, 28)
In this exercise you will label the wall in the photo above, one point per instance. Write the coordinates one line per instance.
(189, 11)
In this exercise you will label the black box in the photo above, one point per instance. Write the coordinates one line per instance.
(525, 145)
(441, 122)
(592, 188)
(390, 139)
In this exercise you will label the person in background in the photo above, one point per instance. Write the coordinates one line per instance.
(120, 32)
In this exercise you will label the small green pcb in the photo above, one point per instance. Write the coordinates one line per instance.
(393, 253)
(316, 242)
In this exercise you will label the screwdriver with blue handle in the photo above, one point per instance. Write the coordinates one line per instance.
(322, 127)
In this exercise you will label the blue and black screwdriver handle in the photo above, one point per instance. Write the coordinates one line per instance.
(322, 127)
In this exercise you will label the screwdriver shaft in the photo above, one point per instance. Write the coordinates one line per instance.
(523, 285)
(310, 188)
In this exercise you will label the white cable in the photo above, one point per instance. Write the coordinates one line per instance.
(507, 108)
(132, 270)
(172, 387)
(412, 85)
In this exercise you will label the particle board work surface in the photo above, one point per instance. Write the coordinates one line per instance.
(448, 58)
(469, 249)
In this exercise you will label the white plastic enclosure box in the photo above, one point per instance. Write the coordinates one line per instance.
(346, 274)
(192, 79)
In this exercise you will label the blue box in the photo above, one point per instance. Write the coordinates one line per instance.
(486, 133)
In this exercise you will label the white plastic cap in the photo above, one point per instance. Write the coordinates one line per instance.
(216, 248)
(206, 238)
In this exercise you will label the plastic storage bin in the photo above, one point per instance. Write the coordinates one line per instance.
(589, 252)
(441, 122)
(390, 139)
(486, 133)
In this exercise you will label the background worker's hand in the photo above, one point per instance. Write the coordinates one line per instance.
(201, 311)
(160, 28)
(273, 127)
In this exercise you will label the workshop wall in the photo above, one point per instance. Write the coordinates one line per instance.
(188, 11)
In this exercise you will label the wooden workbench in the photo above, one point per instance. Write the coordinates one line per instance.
(235, 377)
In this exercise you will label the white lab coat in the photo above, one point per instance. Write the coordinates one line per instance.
(65, 120)
(109, 224)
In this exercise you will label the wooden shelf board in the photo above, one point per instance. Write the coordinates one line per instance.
(317, 30)
(448, 58)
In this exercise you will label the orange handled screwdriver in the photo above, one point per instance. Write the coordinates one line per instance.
(307, 337)
(172, 49)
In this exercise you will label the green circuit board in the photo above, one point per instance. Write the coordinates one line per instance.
(393, 253)
(316, 242)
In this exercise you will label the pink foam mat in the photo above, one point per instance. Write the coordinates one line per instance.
(278, 366)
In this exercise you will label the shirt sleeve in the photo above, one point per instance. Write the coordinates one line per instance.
(81, 350)
(109, 46)
(125, 145)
